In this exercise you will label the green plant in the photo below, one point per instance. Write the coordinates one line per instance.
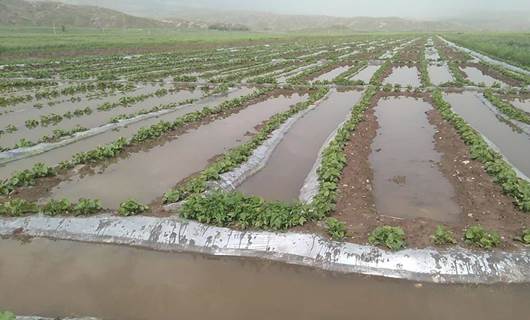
(390, 237)
(6, 315)
(443, 236)
(235, 209)
(17, 207)
(336, 229)
(131, 207)
(57, 207)
(87, 207)
(525, 237)
(478, 236)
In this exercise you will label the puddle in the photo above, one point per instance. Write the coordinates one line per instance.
(407, 181)
(521, 104)
(292, 160)
(329, 76)
(146, 175)
(439, 74)
(53, 157)
(477, 77)
(404, 76)
(116, 282)
(366, 74)
(514, 144)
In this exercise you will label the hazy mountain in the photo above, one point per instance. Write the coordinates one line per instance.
(202, 13)
(45, 13)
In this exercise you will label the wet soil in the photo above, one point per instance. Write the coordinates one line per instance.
(481, 201)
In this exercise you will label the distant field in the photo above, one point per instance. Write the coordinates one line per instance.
(20, 42)
(511, 47)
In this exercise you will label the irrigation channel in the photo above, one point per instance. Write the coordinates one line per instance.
(407, 181)
(292, 160)
(60, 278)
(511, 140)
(115, 182)
(55, 156)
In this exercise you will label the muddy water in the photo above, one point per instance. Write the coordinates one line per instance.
(404, 76)
(59, 278)
(146, 175)
(439, 74)
(522, 104)
(477, 77)
(97, 118)
(55, 156)
(407, 181)
(366, 74)
(329, 76)
(513, 144)
(285, 172)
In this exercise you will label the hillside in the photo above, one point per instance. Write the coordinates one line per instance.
(44, 13)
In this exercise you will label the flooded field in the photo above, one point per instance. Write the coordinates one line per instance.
(365, 74)
(110, 282)
(329, 76)
(404, 76)
(478, 77)
(440, 74)
(55, 156)
(168, 163)
(512, 143)
(292, 160)
(407, 181)
(522, 104)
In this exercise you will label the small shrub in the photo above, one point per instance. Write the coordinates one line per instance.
(390, 237)
(478, 236)
(525, 237)
(17, 207)
(87, 207)
(336, 229)
(131, 208)
(443, 236)
(57, 207)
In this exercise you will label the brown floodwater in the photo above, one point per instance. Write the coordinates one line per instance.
(439, 74)
(477, 77)
(329, 76)
(513, 144)
(522, 104)
(60, 279)
(145, 175)
(96, 118)
(404, 76)
(54, 157)
(407, 181)
(366, 74)
(291, 161)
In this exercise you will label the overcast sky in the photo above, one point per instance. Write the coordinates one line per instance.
(403, 8)
(348, 8)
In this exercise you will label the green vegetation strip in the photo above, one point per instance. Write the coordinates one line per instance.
(344, 78)
(238, 210)
(502, 173)
(506, 107)
(424, 70)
